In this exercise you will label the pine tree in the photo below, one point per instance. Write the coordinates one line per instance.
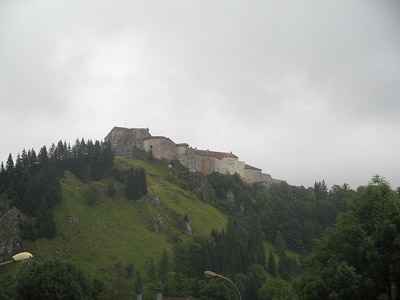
(279, 243)
(43, 157)
(143, 181)
(163, 266)
(9, 176)
(10, 165)
(271, 269)
(138, 282)
(25, 161)
(151, 270)
(108, 155)
(32, 160)
(2, 178)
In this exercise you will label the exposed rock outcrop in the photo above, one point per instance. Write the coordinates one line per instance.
(157, 224)
(187, 228)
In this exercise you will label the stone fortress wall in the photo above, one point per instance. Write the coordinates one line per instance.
(123, 140)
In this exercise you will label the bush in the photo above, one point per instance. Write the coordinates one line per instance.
(55, 280)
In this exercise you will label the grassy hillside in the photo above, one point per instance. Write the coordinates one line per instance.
(114, 228)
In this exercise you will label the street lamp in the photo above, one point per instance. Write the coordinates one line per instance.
(212, 274)
(18, 257)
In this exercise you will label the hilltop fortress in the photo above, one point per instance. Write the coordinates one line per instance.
(123, 140)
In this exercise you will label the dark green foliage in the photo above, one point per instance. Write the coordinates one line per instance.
(178, 285)
(10, 165)
(271, 269)
(226, 186)
(182, 177)
(136, 184)
(111, 190)
(215, 289)
(288, 267)
(119, 283)
(321, 190)
(54, 280)
(163, 266)
(3, 295)
(229, 252)
(3, 182)
(279, 243)
(257, 277)
(359, 257)
(129, 270)
(92, 194)
(339, 196)
(151, 270)
(297, 214)
(33, 182)
(138, 282)
(300, 214)
(276, 288)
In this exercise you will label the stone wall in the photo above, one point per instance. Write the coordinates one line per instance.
(205, 165)
(123, 140)
(252, 175)
(186, 156)
(229, 165)
(160, 147)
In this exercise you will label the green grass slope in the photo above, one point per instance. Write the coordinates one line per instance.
(114, 228)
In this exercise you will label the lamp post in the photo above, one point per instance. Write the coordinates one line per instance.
(212, 274)
(18, 257)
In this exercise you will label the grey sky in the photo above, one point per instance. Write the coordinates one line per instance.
(305, 90)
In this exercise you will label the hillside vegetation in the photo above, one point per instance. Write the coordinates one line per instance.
(110, 226)
(94, 236)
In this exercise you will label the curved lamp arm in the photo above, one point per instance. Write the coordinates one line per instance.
(213, 275)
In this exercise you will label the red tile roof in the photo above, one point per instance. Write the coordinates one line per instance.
(251, 167)
(218, 155)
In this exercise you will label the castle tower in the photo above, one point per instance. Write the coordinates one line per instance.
(123, 140)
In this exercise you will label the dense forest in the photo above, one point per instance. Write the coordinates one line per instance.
(345, 242)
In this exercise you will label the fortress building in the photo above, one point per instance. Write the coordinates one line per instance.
(123, 141)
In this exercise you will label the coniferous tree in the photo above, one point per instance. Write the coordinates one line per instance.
(10, 167)
(321, 190)
(133, 189)
(18, 169)
(279, 243)
(54, 280)
(271, 265)
(163, 266)
(25, 161)
(138, 282)
(286, 267)
(2, 178)
(108, 155)
(32, 161)
(43, 157)
(143, 181)
(151, 270)
(358, 258)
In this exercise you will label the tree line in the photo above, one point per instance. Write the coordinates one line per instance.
(300, 214)
(32, 183)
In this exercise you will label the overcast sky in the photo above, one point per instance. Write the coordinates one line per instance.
(305, 90)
